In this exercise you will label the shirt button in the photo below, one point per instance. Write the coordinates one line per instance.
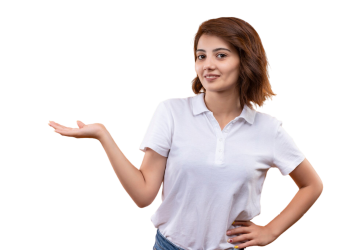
(220, 139)
(220, 150)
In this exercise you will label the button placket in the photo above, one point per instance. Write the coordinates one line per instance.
(220, 145)
(221, 136)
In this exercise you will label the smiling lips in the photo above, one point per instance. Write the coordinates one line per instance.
(208, 75)
(211, 77)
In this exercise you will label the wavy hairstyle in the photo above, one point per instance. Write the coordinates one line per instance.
(253, 83)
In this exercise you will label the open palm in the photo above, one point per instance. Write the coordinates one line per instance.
(84, 131)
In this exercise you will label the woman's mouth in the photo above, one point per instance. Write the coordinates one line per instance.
(211, 78)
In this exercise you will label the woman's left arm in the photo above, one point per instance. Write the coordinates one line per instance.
(310, 188)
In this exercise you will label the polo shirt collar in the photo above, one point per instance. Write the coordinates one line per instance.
(198, 106)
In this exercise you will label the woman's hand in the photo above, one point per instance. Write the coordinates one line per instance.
(252, 234)
(84, 131)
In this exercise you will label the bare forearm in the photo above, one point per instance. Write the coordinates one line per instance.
(130, 177)
(299, 205)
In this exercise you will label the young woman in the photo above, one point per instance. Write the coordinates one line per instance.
(213, 150)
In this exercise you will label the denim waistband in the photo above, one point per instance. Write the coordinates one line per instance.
(162, 243)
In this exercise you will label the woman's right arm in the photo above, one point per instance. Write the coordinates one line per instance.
(142, 185)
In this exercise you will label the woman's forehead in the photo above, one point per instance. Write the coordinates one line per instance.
(208, 43)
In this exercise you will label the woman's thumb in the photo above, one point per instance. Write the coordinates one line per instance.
(80, 124)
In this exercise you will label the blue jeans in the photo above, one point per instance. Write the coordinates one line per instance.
(163, 243)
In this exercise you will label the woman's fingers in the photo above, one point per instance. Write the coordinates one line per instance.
(55, 124)
(73, 132)
(50, 122)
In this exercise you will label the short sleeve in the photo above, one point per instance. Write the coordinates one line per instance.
(286, 155)
(159, 133)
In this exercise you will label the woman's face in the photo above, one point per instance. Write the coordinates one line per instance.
(216, 56)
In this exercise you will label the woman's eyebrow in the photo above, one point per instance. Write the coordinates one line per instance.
(214, 50)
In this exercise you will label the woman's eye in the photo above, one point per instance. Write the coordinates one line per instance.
(199, 57)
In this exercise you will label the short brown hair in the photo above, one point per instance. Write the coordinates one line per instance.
(253, 83)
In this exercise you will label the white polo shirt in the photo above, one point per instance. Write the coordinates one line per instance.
(213, 177)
